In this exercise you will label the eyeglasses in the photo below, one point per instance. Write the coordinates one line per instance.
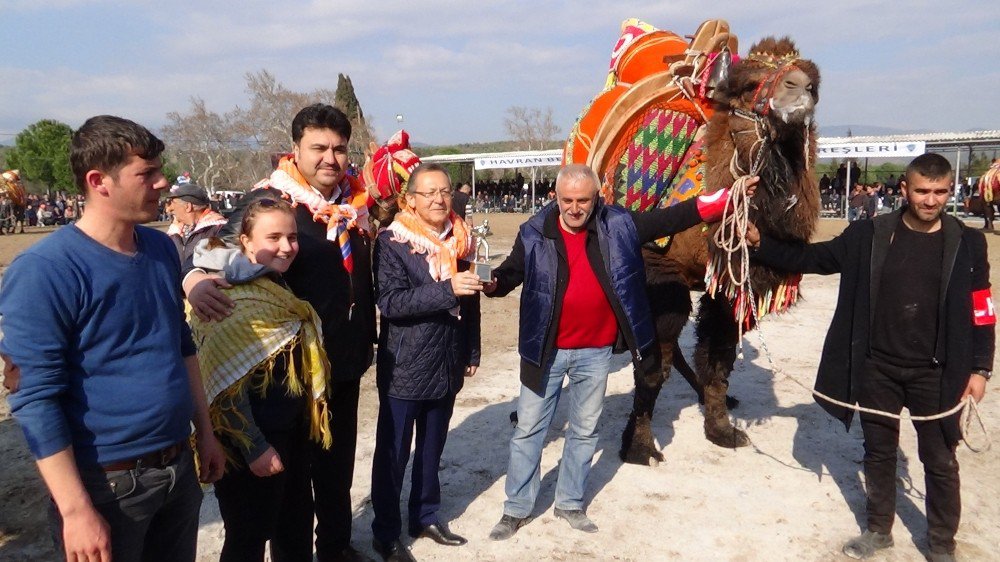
(444, 193)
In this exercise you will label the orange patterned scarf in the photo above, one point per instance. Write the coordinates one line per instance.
(442, 255)
(287, 179)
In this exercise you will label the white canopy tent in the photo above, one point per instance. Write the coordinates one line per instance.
(888, 146)
(873, 149)
(503, 160)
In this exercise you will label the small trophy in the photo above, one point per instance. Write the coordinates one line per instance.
(481, 260)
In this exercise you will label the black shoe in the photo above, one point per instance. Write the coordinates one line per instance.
(507, 526)
(439, 533)
(395, 551)
(577, 519)
(349, 554)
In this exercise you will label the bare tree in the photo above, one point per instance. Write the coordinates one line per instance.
(234, 149)
(267, 119)
(531, 128)
(204, 142)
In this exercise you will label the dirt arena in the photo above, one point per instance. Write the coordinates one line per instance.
(795, 494)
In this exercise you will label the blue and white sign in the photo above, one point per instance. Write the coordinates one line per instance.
(902, 149)
(518, 161)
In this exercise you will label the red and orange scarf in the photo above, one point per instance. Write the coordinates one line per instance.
(287, 179)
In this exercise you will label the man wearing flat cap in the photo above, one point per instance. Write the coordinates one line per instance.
(194, 218)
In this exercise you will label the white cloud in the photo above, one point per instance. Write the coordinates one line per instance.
(71, 96)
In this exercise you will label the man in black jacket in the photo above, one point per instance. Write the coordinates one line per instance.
(914, 328)
(333, 273)
(460, 200)
(584, 298)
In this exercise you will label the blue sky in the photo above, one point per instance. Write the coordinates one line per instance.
(452, 68)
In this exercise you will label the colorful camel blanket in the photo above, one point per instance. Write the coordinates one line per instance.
(11, 186)
(388, 167)
(989, 184)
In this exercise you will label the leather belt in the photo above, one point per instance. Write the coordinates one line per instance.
(156, 459)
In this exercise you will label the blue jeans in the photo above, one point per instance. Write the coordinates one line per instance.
(587, 370)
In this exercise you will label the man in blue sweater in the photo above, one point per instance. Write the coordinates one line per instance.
(101, 366)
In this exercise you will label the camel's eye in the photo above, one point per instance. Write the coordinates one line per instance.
(809, 88)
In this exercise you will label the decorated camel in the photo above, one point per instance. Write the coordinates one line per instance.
(13, 201)
(695, 118)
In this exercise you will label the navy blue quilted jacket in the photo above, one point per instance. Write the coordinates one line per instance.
(615, 236)
(423, 348)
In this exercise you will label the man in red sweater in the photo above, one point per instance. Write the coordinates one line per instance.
(584, 298)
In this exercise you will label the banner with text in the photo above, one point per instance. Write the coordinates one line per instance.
(490, 163)
(902, 149)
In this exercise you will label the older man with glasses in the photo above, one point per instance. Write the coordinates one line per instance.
(429, 342)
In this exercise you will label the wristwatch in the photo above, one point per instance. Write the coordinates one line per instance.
(986, 374)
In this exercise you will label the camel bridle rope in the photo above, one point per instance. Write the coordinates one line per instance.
(730, 237)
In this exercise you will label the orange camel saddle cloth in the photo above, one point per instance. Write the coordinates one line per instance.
(640, 133)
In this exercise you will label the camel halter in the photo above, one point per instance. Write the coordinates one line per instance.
(780, 66)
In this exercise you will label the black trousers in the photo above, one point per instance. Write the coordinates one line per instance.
(889, 388)
(152, 512)
(252, 507)
(397, 419)
(333, 472)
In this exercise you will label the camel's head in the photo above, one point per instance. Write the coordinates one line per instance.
(775, 83)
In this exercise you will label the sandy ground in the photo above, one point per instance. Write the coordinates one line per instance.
(795, 494)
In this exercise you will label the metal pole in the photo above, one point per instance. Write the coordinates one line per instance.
(958, 172)
(533, 170)
(847, 189)
(474, 185)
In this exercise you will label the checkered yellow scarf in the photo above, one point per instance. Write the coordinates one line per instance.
(267, 322)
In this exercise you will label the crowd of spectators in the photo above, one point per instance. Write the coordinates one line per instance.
(512, 195)
(866, 198)
(53, 210)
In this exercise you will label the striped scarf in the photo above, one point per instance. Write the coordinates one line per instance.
(352, 213)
